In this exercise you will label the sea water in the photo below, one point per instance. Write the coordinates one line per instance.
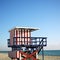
(51, 52)
(46, 52)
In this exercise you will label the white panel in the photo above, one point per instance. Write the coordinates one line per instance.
(22, 36)
(18, 33)
(17, 54)
(29, 36)
(22, 33)
(17, 43)
(29, 33)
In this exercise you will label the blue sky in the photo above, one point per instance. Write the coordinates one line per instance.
(43, 14)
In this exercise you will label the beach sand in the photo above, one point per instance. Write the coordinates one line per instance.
(4, 56)
(50, 57)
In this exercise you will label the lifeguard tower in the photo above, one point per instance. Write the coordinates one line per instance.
(25, 47)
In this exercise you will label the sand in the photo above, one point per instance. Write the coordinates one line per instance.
(4, 56)
(50, 58)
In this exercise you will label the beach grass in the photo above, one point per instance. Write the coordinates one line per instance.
(4, 56)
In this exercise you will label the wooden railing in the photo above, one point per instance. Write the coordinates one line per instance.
(31, 41)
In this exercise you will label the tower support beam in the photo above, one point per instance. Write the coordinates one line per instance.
(42, 54)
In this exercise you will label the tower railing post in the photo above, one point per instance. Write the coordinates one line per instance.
(42, 50)
(42, 54)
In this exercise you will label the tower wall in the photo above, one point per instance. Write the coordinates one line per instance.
(21, 33)
(23, 45)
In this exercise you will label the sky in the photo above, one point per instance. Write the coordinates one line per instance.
(42, 14)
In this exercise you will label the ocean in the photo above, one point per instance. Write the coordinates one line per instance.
(46, 52)
(51, 52)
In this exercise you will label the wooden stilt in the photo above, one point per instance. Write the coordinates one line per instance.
(17, 58)
(13, 59)
(36, 55)
(31, 56)
(20, 56)
(42, 54)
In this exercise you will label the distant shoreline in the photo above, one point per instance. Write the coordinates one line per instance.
(46, 52)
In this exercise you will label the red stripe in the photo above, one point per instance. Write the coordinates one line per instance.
(16, 37)
(30, 35)
(21, 36)
(27, 37)
(16, 43)
(19, 53)
(24, 36)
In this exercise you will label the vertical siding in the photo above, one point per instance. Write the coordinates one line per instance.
(12, 54)
(11, 37)
(29, 35)
(20, 33)
(18, 41)
(20, 36)
(15, 33)
(26, 36)
(17, 36)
